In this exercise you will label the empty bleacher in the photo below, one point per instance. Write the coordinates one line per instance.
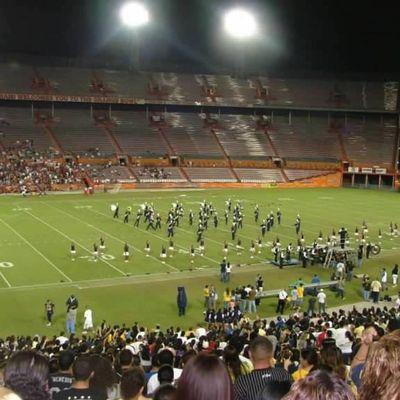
(187, 136)
(210, 175)
(369, 140)
(302, 137)
(240, 138)
(18, 125)
(77, 133)
(135, 135)
(109, 173)
(298, 174)
(256, 175)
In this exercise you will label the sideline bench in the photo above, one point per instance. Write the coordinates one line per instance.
(275, 292)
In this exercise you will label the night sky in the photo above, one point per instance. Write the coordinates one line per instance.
(297, 35)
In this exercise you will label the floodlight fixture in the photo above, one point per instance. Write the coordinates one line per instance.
(240, 23)
(134, 14)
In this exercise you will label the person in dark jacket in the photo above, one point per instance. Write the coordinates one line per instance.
(181, 300)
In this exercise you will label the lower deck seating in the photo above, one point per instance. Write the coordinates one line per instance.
(255, 175)
(297, 174)
(159, 174)
(109, 173)
(210, 175)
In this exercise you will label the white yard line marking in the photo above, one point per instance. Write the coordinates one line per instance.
(74, 241)
(5, 280)
(36, 250)
(110, 235)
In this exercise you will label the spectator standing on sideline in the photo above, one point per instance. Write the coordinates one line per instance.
(321, 296)
(395, 274)
(282, 296)
(384, 278)
(88, 319)
(49, 308)
(375, 290)
(366, 285)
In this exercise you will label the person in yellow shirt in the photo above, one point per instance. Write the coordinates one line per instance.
(308, 362)
(227, 298)
(300, 294)
(206, 293)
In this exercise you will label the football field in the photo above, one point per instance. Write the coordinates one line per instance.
(36, 265)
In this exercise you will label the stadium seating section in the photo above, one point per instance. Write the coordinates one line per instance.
(300, 134)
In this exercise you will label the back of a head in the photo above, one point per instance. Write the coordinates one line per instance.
(274, 390)
(125, 358)
(165, 374)
(320, 385)
(381, 376)
(165, 357)
(27, 373)
(204, 377)
(82, 368)
(132, 383)
(164, 392)
(261, 349)
(65, 360)
(103, 373)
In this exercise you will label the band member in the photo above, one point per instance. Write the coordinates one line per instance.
(225, 248)
(201, 247)
(239, 247)
(192, 253)
(95, 252)
(279, 216)
(126, 252)
(259, 243)
(116, 211)
(256, 213)
(252, 249)
(127, 214)
(73, 251)
(102, 246)
(163, 253)
(171, 248)
(147, 248)
(297, 225)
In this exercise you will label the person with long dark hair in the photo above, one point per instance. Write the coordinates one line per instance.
(204, 377)
(104, 379)
(236, 367)
(27, 374)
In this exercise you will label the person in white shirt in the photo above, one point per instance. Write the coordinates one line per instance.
(321, 296)
(165, 357)
(384, 277)
(282, 296)
(88, 319)
(200, 331)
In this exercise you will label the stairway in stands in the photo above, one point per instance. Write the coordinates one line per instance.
(227, 158)
(171, 150)
(276, 154)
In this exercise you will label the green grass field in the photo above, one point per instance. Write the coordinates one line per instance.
(36, 232)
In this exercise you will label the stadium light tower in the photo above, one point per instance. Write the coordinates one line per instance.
(240, 24)
(135, 15)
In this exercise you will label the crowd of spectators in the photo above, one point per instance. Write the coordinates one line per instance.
(342, 355)
(26, 170)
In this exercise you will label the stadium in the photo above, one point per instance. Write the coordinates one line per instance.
(180, 188)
